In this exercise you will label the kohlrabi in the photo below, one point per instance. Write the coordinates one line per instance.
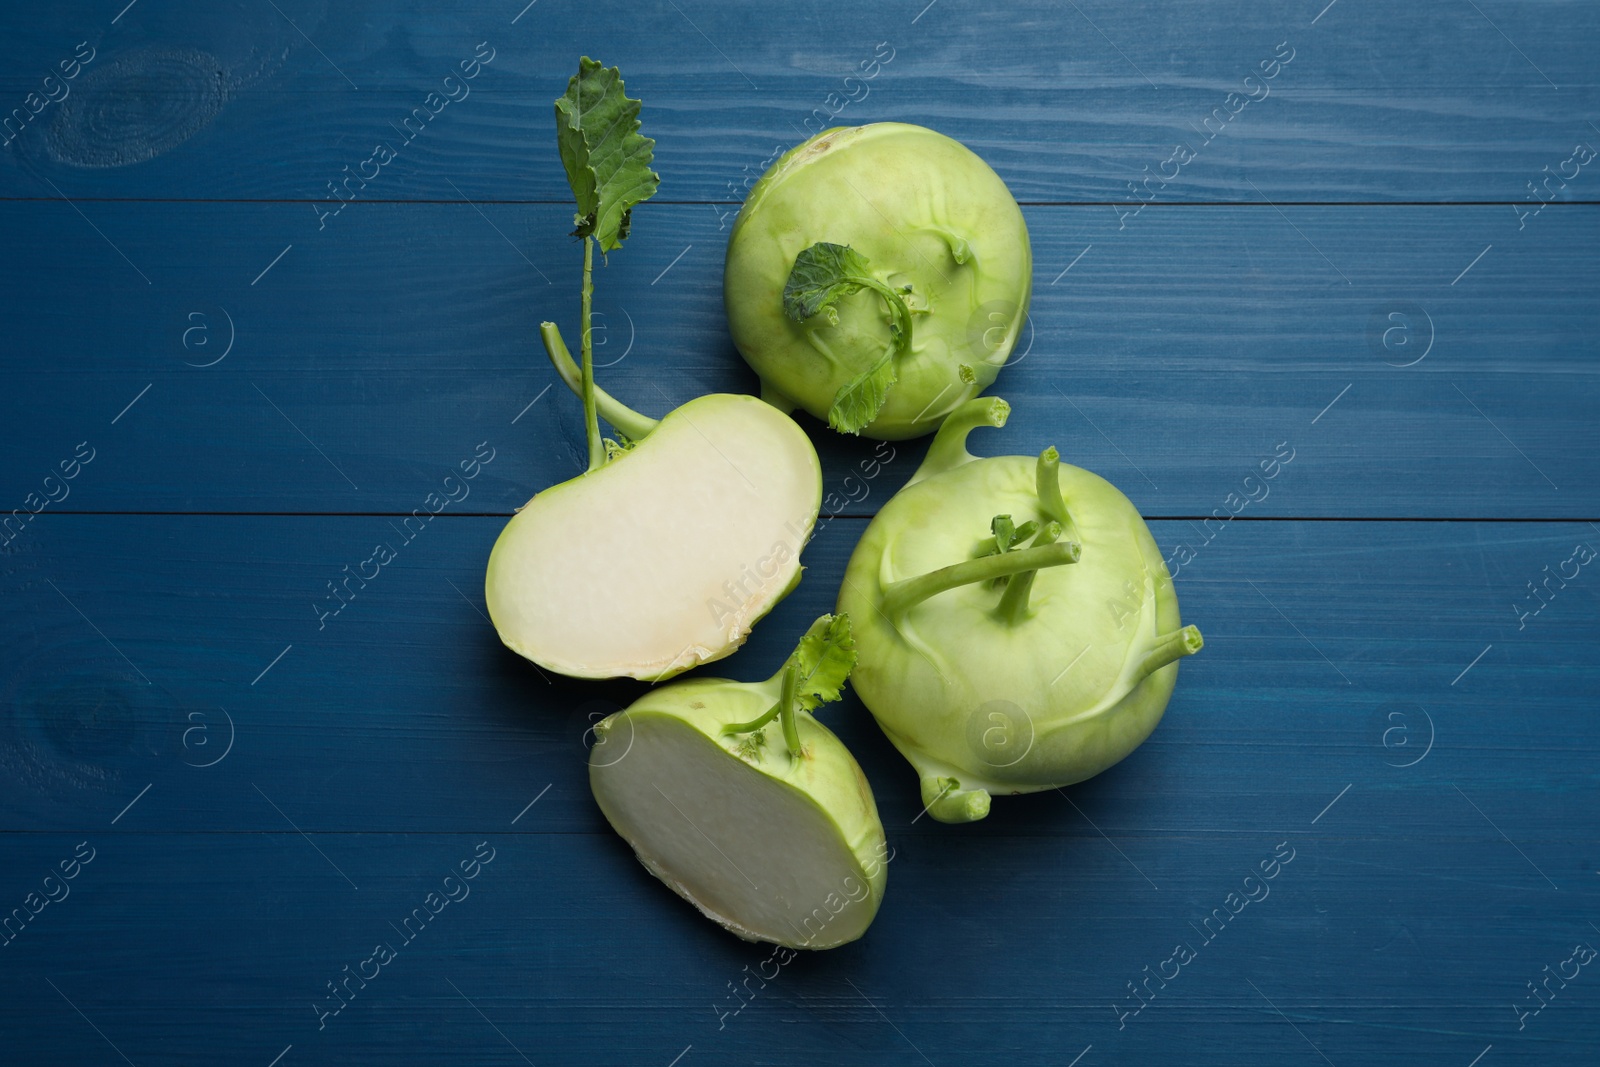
(674, 542)
(1016, 625)
(878, 276)
(745, 805)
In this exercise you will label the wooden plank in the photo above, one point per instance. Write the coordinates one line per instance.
(989, 949)
(1315, 632)
(1069, 103)
(370, 358)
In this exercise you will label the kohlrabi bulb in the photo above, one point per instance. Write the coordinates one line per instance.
(878, 277)
(1016, 625)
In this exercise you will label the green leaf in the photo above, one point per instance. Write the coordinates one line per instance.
(859, 400)
(823, 275)
(825, 656)
(607, 161)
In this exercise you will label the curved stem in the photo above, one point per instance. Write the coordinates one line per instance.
(1051, 502)
(905, 594)
(618, 414)
(591, 421)
(786, 713)
(949, 448)
(1014, 601)
(1169, 648)
(898, 311)
(754, 724)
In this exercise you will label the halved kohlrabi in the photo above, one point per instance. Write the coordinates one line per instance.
(1017, 626)
(776, 838)
(878, 276)
(670, 547)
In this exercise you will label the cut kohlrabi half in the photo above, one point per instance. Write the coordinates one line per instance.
(1017, 627)
(745, 805)
(676, 540)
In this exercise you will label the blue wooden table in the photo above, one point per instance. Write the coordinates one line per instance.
(228, 373)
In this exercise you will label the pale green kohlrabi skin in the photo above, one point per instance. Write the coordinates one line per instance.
(790, 849)
(987, 697)
(925, 212)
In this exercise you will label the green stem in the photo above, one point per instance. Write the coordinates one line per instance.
(754, 724)
(786, 713)
(591, 419)
(905, 594)
(1169, 648)
(945, 800)
(1051, 502)
(1013, 606)
(949, 448)
(614, 411)
(783, 711)
(897, 311)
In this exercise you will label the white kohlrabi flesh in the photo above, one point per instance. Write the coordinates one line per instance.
(745, 805)
(1017, 626)
(878, 276)
(665, 553)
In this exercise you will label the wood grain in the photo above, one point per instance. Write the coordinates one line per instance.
(1069, 103)
(250, 392)
(372, 357)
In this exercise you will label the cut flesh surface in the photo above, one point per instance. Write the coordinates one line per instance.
(665, 557)
(752, 852)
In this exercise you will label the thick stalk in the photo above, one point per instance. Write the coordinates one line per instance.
(786, 712)
(1051, 502)
(614, 411)
(591, 418)
(945, 800)
(1013, 606)
(949, 448)
(905, 594)
(1170, 648)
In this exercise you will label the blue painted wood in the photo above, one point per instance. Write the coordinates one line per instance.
(1391, 700)
(409, 675)
(1433, 103)
(399, 737)
(1173, 355)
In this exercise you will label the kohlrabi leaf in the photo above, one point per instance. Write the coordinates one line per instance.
(607, 160)
(825, 656)
(823, 275)
(860, 399)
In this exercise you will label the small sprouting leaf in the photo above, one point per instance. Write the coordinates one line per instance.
(606, 158)
(749, 749)
(1004, 530)
(1007, 535)
(825, 656)
(823, 275)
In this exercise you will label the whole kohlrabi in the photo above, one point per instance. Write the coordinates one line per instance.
(1017, 627)
(750, 809)
(878, 276)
